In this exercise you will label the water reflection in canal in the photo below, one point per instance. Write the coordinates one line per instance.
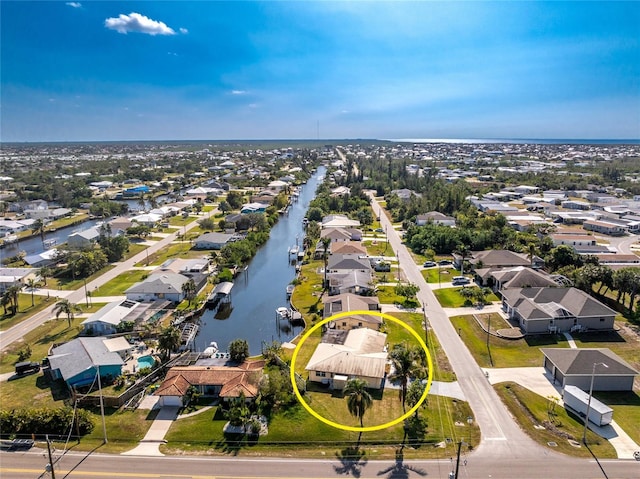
(262, 288)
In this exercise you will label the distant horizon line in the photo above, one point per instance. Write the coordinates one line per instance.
(550, 141)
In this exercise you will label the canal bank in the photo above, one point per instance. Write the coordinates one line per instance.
(262, 287)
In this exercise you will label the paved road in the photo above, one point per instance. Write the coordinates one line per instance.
(18, 331)
(95, 465)
(500, 434)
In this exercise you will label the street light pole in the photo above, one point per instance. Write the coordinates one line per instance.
(586, 418)
(104, 424)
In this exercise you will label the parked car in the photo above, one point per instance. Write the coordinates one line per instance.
(382, 267)
(16, 444)
(445, 262)
(27, 367)
(459, 280)
(379, 230)
(429, 264)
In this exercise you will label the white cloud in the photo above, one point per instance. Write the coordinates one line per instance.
(74, 4)
(134, 22)
(184, 31)
(238, 92)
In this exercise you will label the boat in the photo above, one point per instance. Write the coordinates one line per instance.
(10, 239)
(282, 313)
(222, 292)
(48, 243)
(290, 288)
(293, 252)
(211, 350)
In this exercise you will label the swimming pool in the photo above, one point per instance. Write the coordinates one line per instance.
(146, 362)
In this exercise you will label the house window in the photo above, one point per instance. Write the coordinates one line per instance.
(602, 320)
(360, 324)
(321, 374)
(344, 323)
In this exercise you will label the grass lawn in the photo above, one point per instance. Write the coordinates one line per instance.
(505, 353)
(623, 342)
(378, 248)
(307, 295)
(436, 275)
(626, 410)
(295, 431)
(68, 284)
(387, 295)
(134, 249)
(178, 220)
(25, 309)
(450, 298)
(174, 250)
(119, 284)
(531, 410)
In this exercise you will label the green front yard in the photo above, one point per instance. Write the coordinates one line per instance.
(25, 309)
(451, 298)
(118, 285)
(505, 353)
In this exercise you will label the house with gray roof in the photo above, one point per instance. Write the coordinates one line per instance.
(212, 240)
(574, 367)
(84, 239)
(78, 361)
(165, 285)
(106, 320)
(351, 302)
(556, 310)
(362, 355)
(353, 281)
(436, 218)
(16, 276)
(520, 277)
(340, 263)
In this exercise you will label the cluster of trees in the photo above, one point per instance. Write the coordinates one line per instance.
(41, 421)
(105, 208)
(355, 205)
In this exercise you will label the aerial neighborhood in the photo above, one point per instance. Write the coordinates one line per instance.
(198, 278)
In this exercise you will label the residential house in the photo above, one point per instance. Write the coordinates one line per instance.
(605, 227)
(572, 240)
(16, 276)
(78, 361)
(164, 285)
(405, 194)
(354, 281)
(147, 219)
(84, 239)
(212, 240)
(520, 277)
(106, 320)
(215, 381)
(119, 225)
(346, 247)
(48, 214)
(340, 263)
(338, 221)
(352, 302)
(435, 218)
(556, 310)
(254, 208)
(46, 258)
(363, 355)
(575, 367)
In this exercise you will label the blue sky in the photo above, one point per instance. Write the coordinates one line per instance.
(88, 70)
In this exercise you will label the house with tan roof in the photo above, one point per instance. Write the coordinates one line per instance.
(362, 355)
(556, 310)
(216, 381)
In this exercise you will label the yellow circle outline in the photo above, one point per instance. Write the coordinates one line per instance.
(367, 428)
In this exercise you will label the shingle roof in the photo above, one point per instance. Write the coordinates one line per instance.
(160, 283)
(80, 354)
(579, 362)
(499, 257)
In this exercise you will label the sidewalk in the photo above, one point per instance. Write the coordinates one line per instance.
(150, 444)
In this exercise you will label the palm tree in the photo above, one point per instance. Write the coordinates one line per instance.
(45, 272)
(5, 300)
(532, 251)
(64, 306)
(326, 242)
(38, 228)
(189, 290)
(169, 340)
(405, 366)
(31, 284)
(358, 398)
(14, 292)
(464, 252)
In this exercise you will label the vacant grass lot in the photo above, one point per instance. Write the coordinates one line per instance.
(174, 250)
(118, 285)
(387, 295)
(378, 247)
(505, 353)
(530, 410)
(626, 410)
(68, 284)
(451, 298)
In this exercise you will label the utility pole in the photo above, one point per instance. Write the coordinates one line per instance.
(49, 467)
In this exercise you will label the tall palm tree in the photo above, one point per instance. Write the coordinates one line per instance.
(326, 242)
(14, 293)
(31, 284)
(532, 251)
(189, 290)
(168, 341)
(45, 272)
(406, 366)
(464, 252)
(358, 398)
(38, 228)
(5, 300)
(64, 306)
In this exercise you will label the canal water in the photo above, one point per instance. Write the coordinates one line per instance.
(33, 245)
(261, 289)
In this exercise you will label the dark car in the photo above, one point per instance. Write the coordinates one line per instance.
(445, 262)
(27, 367)
(382, 267)
(429, 264)
(379, 230)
